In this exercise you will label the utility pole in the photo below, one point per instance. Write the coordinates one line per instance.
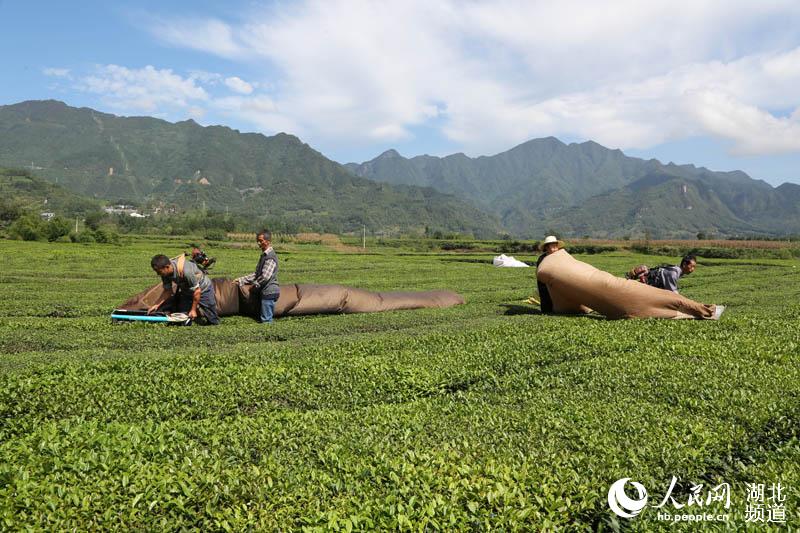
(364, 239)
(76, 224)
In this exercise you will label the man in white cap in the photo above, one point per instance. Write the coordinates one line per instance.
(549, 245)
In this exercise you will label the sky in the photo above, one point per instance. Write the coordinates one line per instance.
(713, 83)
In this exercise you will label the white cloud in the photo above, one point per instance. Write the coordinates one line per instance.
(164, 93)
(389, 132)
(205, 77)
(494, 73)
(753, 130)
(147, 89)
(200, 34)
(238, 85)
(56, 72)
(259, 110)
(725, 100)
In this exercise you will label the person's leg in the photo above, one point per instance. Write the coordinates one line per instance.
(182, 302)
(208, 307)
(267, 310)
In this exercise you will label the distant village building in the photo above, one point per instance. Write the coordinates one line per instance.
(122, 209)
(166, 209)
(47, 215)
(110, 171)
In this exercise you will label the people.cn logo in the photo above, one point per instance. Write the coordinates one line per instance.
(621, 504)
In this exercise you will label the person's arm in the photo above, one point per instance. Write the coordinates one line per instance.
(245, 280)
(165, 295)
(195, 300)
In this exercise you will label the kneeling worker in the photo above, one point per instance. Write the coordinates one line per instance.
(195, 290)
(265, 277)
(550, 245)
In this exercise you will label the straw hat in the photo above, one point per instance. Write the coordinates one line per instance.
(551, 239)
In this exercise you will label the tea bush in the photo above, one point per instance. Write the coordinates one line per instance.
(482, 416)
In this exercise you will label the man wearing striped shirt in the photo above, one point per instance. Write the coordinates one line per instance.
(265, 278)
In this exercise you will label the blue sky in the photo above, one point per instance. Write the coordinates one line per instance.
(712, 83)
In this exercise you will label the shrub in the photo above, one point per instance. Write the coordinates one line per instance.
(590, 249)
(106, 236)
(27, 228)
(455, 245)
(84, 237)
(56, 228)
(517, 247)
(216, 234)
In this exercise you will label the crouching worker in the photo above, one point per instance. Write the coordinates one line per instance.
(550, 245)
(195, 295)
(265, 277)
(665, 276)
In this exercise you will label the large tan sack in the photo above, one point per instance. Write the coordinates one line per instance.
(321, 299)
(143, 300)
(227, 295)
(308, 299)
(225, 291)
(577, 287)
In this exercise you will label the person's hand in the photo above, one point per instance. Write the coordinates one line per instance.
(152, 309)
(193, 313)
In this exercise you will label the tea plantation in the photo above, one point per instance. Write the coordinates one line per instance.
(483, 416)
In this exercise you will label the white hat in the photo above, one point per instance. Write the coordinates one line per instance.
(549, 240)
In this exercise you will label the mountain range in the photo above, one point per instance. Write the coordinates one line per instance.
(147, 160)
(541, 186)
(547, 186)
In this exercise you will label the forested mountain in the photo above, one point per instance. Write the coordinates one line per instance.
(20, 192)
(541, 186)
(142, 159)
(545, 185)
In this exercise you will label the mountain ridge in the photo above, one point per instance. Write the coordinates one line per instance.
(539, 186)
(146, 160)
(546, 185)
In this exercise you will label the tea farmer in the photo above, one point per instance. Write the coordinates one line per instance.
(265, 277)
(666, 277)
(195, 294)
(550, 245)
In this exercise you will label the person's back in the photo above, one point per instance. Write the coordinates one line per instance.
(665, 277)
